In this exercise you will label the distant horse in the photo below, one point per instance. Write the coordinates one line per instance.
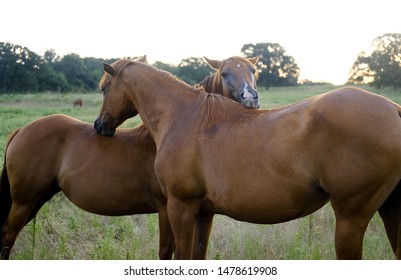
(78, 102)
(264, 166)
(59, 153)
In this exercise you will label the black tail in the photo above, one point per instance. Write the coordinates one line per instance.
(390, 213)
(5, 195)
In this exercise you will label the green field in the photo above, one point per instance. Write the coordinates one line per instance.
(63, 231)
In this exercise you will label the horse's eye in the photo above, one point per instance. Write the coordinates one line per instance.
(224, 75)
(253, 70)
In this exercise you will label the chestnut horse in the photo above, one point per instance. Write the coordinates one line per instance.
(78, 102)
(233, 79)
(264, 166)
(59, 153)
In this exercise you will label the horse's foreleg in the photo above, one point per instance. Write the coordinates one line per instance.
(202, 232)
(182, 216)
(166, 245)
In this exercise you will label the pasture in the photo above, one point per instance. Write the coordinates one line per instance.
(63, 231)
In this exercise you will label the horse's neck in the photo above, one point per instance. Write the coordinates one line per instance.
(212, 84)
(162, 100)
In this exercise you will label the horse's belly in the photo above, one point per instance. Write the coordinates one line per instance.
(272, 214)
(272, 207)
(107, 195)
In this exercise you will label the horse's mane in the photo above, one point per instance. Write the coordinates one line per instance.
(210, 84)
(209, 103)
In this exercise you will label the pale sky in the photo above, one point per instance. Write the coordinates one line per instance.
(324, 37)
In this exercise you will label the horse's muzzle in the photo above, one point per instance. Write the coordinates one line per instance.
(250, 102)
(249, 98)
(102, 129)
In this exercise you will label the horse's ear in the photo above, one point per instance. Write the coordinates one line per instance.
(254, 60)
(215, 64)
(143, 59)
(108, 68)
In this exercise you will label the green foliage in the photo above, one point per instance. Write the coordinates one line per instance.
(382, 68)
(275, 67)
(18, 66)
(166, 67)
(25, 71)
(193, 70)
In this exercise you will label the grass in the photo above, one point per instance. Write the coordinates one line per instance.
(63, 231)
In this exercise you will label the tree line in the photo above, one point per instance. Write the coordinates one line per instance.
(22, 70)
(382, 67)
(25, 71)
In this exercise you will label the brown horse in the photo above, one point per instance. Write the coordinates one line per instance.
(59, 153)
(235, 78)
(264, 166)
(78, 102)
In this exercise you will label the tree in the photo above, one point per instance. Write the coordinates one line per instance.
(193, 70)
(166, 67)
(75, 71)
(383, 67)
(50, 56)
(18, 67)
(360, 72)
(275, 67)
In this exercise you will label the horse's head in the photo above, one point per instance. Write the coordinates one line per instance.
(238, 76)
(115, 108)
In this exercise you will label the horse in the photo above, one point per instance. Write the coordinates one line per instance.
(71, 153)
(233, 80)
(264, 166)
(78, 102)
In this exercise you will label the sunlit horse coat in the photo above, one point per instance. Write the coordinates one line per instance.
(215, 156)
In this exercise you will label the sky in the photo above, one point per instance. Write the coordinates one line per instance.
(324, 37)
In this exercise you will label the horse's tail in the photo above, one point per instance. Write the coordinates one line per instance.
(390, 213)
(5, 194)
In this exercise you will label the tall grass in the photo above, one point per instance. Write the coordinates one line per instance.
(63, 231)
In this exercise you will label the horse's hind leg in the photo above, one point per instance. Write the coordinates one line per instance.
(20, 215)
(352, 218)
(38, 205)
(14, 224)
(349, 237)
(390, 212)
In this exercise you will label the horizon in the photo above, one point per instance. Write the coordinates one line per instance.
(323, 38)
